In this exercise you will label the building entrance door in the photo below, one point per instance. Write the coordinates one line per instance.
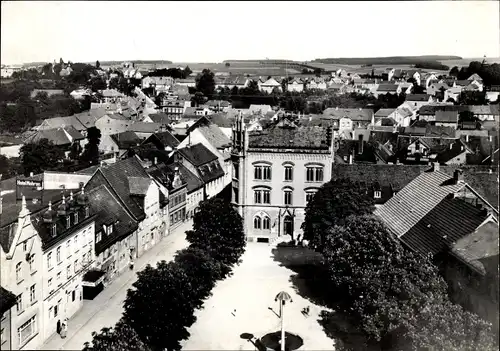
(288, 226)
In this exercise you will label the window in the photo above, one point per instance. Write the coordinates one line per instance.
(25, 246)
(27, 330)
(98, 237)
(288, 173)
(2, 336)
(56, 308)
(257, 222)
(19, 272)
(68, 222)
(68, 247)
(75, 216)
(76, 266)
(266, 223)
(84, 258)
(262, 172)
(288, 197)
(87, 212)
(49, 260)
(49, 283)
(68, 271)
(314, 174)
(54, 230)
(262, 196)
(309, 196)
(58, 276)
(32, 293)
(378, 194)
(19, 303)
(58, 254)
(32, 262)
(73, 295)
(76, 243)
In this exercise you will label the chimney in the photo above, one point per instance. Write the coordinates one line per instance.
(155, 161)
(435, 166)
(458, 176)
(466, 138)
(360, 144)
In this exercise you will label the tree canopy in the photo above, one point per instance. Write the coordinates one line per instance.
(205, 82)
(40, 156)
(90, 153)
(120, 338)
(331, 205)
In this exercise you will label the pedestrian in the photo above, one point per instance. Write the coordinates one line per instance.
(131, 265)
(64, 328)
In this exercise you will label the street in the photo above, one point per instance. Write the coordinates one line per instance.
(106, 309)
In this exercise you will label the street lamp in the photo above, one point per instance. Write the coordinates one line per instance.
(282, 297)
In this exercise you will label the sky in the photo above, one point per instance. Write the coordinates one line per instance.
(81, 31)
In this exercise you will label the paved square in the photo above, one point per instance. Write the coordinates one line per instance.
(250, 291)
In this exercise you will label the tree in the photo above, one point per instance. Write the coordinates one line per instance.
(9, 167)
(187, 71)
(317, 72)
(120, 338)
(467, 116)
(198, 98)
(97, 64)
(159, 305)
(381, 283)
(218, 229)
(40, 156)
(454, 71)
(472, 98)
(91, 151)
(75, 151)
(97, 83)
(447, 326)
(227, 64)
(334, 201)
(205, 82)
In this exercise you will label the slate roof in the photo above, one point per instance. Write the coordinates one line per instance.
(197, 154)
(416, 200)
(160, 118)
(126, 140)
(417, 97)
(448, 221)
(109, 211)
(144, 127)
(384, 112)
(193, 182)
(165, 175)
(457, 148)
(138, 185)
(116, 175)
(214, 135)
(481, 244)
(387, 87)
(58, 136)
(290, 138)
(355, 114)
(162, 140)
(485, 109)
(89, 117)
(447, 116)
(58, 122)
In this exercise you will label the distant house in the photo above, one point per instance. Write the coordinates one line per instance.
(158, 83)
(121, 143)
(10, 146)
(384, 113)
(296, 85)
(64, 137)
(112, 124)
(111, 95)
(219, 105)
(419, 100)
(188, 82)
(414, 74)
(144, 129)
(269, 85)
(161, 118)
(316, 83)
(345, 120)
(383, 89)
(231, 82)
(164, 141)
(260, 109)
(80, 94)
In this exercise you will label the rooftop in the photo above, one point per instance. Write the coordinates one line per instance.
(290, 138)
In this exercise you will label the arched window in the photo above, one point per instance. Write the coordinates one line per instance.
(257, 222)
(266, 223)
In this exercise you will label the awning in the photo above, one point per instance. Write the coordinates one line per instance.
(93, 278)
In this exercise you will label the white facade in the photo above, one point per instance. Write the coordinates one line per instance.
(63, 266)
(150, 229)
(193, 200)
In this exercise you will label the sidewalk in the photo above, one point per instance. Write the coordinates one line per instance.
(107, 307)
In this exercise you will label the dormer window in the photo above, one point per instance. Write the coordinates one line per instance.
(87, 212)
(53, 229)
(68, 222)
(377, 194)
(110, 229)
(75, 216)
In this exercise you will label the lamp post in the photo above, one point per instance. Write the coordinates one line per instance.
(282, 297)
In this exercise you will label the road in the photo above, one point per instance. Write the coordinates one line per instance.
(106, 309)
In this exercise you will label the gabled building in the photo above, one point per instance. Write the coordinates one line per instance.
(446, 218)
(205, 165)
(276, 172)
(419, 100)
(383, 89)
(139, 195)
(270, 85)
(213, 138)
(346, 119)
(296, 85)
(64, 137)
